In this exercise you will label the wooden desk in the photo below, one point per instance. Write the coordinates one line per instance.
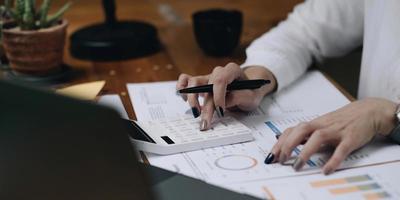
(181, 53)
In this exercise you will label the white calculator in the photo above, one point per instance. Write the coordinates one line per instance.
(181, 134)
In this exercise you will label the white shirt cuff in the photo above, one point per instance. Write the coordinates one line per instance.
(277, 64)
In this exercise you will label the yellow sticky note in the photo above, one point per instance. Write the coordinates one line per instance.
(84, 91)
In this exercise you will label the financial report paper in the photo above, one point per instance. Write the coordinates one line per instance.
(364, 183)
(311, 96)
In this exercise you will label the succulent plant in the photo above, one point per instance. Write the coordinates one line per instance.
(28, 16)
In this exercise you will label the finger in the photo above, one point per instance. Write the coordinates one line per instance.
(182, 83)
(276, 149)
(220, 79)
(341, 152)
(237, 72)
(233, 98)
(207, 112)
(299, 134)
(243, 99)
(314, 143)
(193, 99)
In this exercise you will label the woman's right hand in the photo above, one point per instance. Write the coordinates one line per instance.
(220, 99)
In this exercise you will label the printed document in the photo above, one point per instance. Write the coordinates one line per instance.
(311, 96)
(364, 183)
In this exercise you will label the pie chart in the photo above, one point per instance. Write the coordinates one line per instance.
(235, 162)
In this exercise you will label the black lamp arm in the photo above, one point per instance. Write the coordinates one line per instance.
(109, 11)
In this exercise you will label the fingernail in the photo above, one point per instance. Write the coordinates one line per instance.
(277, 136)
(282, 158)
(298, 164)
(328, 171)
(196, 112)
(269, 158)
(203, 125)
(184, 97)
(220, 112)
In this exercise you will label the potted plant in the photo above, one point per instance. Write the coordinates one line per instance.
(34, 40)
(5, 17)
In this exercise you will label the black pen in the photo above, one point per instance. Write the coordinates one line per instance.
(235, 85)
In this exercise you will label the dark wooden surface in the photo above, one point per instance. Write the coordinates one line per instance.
(180, 54)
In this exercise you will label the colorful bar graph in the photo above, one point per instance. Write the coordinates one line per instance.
(331, 182)
(376, 196)
(350, 189)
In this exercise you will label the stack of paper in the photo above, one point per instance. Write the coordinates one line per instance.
(240, 166)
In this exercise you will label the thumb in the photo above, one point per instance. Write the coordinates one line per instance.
(244, 99)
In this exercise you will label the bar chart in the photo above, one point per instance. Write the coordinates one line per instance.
(379, 182)
(363, 185)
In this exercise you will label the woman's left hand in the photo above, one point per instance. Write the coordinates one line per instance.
(347, 128)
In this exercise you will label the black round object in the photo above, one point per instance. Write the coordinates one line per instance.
(218, 31)
(115, 41)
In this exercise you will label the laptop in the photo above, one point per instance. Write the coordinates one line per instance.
(55, 147)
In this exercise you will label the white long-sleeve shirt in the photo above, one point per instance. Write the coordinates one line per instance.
(330, 28)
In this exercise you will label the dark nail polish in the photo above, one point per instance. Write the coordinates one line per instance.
(298, 164)
(277, 136)
(220, 112)
(282, 158)
(269, 159)
(328, 171)
(195, 112)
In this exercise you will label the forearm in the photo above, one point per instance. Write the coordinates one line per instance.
(314, 30)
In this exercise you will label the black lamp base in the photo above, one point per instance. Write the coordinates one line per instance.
(116, 41)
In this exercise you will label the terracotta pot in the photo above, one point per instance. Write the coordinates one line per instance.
(36, 52)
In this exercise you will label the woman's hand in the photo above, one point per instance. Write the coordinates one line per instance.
(347, 128)
(220, 99)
